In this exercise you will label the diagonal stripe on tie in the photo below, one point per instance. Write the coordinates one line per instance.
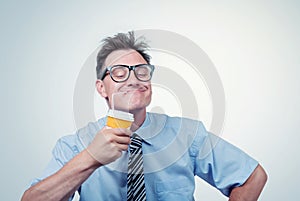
(135, 178)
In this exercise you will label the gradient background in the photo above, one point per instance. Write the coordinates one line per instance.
(253, 44)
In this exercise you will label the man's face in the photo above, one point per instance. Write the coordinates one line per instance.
(131, 95)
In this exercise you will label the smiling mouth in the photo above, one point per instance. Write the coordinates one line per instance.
(142, 89)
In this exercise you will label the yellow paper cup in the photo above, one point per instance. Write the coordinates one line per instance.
(119, 119)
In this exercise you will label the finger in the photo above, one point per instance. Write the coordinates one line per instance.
(122, 139)
(121, 131)
(122, 147)
(117, 138)
(106, 127)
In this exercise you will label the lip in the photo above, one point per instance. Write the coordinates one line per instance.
(132, 90)
(136, 90)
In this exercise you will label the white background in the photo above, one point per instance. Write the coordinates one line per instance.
(253, 44)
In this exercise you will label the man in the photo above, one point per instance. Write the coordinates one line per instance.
(94, 160)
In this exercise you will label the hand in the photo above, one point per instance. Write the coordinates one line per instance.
(108, 144)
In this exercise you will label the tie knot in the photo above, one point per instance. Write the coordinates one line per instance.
(136, 141)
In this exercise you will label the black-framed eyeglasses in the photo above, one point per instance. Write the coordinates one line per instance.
(121, 73)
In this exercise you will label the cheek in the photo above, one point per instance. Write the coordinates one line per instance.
(150, 92)
(142, 98)
(112, 91)
(148, 99)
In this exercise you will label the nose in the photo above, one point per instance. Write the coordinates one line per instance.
(132, 80)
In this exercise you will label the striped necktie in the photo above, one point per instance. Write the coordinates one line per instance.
(135, 178)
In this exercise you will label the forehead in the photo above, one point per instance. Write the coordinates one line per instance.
(126, 57)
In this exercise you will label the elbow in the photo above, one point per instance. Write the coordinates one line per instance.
(25, 196)
(262, 175)
(32, 194)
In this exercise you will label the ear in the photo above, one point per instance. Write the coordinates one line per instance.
(101, 88)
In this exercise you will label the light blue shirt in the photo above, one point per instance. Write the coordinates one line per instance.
(174, 151)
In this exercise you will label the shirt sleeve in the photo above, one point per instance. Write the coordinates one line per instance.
(220, 163)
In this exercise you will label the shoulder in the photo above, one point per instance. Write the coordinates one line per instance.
(175, 121)
(70, 145)
(180, 126)
(190, 131)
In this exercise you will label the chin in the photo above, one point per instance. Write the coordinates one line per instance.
(130, 108)
(133, 108)
(133, 104)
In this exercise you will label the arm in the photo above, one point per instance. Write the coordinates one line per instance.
(62, 184)
(106, 147)
(252, 188)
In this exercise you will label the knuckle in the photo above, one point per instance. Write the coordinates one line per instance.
(113, 147)
(125, 147)
(109, 138)
(117, 154)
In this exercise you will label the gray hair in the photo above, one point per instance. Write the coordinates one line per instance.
(121, 41)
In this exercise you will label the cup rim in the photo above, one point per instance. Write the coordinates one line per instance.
(120, 115)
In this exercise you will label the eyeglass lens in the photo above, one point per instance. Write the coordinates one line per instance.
(121, 73)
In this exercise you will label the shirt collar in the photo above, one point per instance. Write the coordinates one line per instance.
(151, 127)
(142, 130)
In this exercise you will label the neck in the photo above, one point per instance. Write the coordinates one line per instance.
(139, 118)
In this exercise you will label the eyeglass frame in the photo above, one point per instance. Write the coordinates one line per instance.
(131, 68)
